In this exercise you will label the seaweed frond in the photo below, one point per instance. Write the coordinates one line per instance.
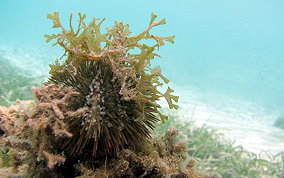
(116, 48)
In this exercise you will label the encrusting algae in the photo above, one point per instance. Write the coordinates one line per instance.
(94, 115)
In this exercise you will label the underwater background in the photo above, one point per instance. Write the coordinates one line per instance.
(227, 63)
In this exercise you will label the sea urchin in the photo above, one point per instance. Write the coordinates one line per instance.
(118, 87)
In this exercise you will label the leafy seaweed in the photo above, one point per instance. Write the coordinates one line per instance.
(88, 42)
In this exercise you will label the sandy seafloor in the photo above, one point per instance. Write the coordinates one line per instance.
(243, 122)
(246, 123)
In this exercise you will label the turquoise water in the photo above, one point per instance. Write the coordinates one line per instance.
(228, 56)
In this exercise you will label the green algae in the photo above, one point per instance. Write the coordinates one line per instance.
(215, 153)
(87, 42)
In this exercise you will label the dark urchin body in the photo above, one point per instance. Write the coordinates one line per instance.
(111, 123)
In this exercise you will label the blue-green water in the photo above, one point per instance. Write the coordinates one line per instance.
(228, 55)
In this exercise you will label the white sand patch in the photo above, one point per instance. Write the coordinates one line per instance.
(247, 124)
(34, 60)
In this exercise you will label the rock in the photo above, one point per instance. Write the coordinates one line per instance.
(279, 122)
